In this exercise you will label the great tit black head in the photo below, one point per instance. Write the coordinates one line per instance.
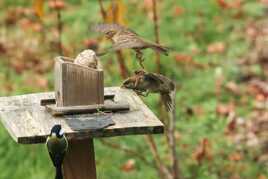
(57, 131)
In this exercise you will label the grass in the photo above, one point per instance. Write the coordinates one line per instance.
(202, 23)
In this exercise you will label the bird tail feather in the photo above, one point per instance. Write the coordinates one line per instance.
(58, 173)
(161, 49)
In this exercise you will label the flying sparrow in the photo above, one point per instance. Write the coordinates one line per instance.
(123, 38)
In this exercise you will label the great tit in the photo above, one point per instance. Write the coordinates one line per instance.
(57, 145)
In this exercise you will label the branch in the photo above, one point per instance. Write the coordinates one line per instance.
(59, 27)
(103, 12)
(172, 140)
(162, 169)
(156, 33)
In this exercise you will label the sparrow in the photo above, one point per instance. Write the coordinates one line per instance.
(144, 83)
(123, 38)
(57, 145)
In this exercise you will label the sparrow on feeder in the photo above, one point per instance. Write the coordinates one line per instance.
(57, 145)
(123, 38)
(144, 83)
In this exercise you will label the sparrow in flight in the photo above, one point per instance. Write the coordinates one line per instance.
(123, 38)
(144, 83)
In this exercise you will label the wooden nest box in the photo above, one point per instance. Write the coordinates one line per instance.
(77, 85)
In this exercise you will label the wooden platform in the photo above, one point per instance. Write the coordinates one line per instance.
(29, 123)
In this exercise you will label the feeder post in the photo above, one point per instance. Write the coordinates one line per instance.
(78, 85)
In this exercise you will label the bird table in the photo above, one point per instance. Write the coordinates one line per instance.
(29, 122)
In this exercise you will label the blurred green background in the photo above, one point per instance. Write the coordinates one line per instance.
(208, 37)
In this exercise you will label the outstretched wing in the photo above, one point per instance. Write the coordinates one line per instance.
(109, 27)
(106, 27)
(154, 78)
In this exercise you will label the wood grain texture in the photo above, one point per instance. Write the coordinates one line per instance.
(77, 85)
(79, 162)
(28, 122)
(93, 108)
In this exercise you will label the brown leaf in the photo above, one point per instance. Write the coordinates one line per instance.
(217, 47)
(178, 11)
(203, 151)
(236, 156)
(37, 81)
(38, 7)
(225, 109)
(234, 4)
(56, 4)
(231, 127)
(183, 58)
(223, 4)
(129, 166)
(262, 176)
(233, 88)
(116, 12)
(264, 2)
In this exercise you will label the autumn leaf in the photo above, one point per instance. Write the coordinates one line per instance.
(178, 11)
(56, 4)
(129, 166)
(38, 7)
(264, 2)
(116, 12)
(217, 47)
(203, 151)
(236, 156)
(225, 109)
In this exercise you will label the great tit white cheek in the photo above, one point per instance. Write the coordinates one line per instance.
(61, 132)
(53, 134)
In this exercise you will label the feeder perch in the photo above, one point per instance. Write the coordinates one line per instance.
(77, 104)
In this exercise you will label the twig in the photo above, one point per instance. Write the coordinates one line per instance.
(162, 169)
(156, 32)
(127, 151)
(103, 12)
(59, 27)
(172, 140)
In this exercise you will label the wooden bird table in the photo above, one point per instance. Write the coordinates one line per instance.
(30, 123)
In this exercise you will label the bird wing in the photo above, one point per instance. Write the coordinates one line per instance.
(166, 88)
(153, 78)
(110, 27)
(106, 27)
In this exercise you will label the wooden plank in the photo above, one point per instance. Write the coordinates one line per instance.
(82, 151)
(44, 102)
(94, 108)
(77, 85)
(28, 122)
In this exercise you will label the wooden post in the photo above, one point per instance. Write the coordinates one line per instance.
(79, 162)
(76, 85)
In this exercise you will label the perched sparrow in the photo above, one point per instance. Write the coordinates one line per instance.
(144, 83)
(123, 37)
(57, 146)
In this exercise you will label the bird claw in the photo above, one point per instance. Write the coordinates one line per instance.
(139, 56)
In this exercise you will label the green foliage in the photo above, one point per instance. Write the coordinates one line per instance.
(201, 23)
